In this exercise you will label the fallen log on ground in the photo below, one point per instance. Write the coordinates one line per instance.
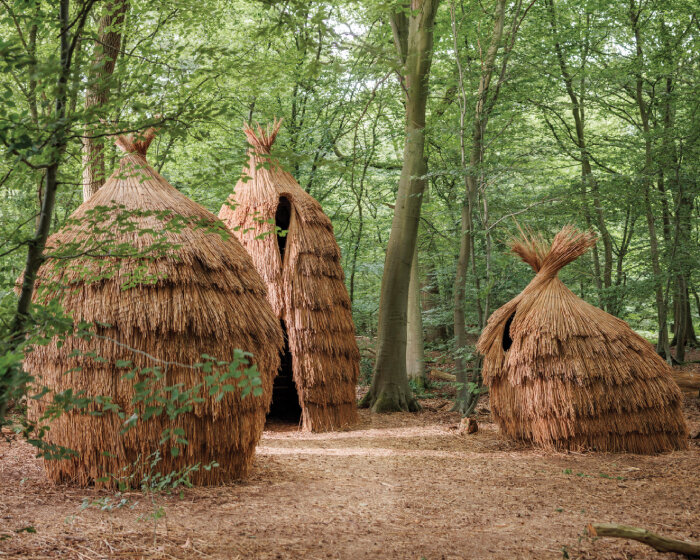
(438, 375)
(657, 542)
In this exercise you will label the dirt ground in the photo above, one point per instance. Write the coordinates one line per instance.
(395, 486)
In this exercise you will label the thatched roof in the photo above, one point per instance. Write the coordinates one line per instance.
(207, 299)
(565, 374)
(306, 287)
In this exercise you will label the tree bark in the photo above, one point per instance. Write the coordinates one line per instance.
(431, 300)
(657, 542)
(589, 182)
(679, 243)
(105, 55)
(662, 345)
(413, 36)
(465, 396)
(56, 148)
(620, 276)
(415, 347)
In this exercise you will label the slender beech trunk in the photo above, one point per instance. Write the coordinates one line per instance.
(413, 37)
(662, 345)
(107, 47)
(466, 398)
(415, 347)
(679, 256)
(684, 333)
(697, 299)
(359, 192)
(32, 102)
(588, 181)
(620, 277)
(356, 252)
(432, 300)
(57, 146)
(488, 249)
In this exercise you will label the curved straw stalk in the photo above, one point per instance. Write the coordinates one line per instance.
(306, 290)
(575, 377)
(207, 299)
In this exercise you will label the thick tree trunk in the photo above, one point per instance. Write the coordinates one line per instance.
(414, 40)
(415, 347)
(104, 60)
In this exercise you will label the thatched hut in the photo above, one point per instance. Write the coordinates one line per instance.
(305, 282)
(564, 374)
(203, 296)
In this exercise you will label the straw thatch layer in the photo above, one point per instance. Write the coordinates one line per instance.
(306, 287)
(564, 374)
(207, 299)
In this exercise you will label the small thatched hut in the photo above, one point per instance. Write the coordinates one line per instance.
(203, 297)
(306, 288)
(564, 374)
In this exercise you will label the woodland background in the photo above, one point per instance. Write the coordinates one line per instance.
(586, 113)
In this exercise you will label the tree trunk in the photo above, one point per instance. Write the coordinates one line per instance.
(488, 248)
(413, 36)
(415, 347)
(681, 318)
(107, 47)
(620, 277)
(679, 244)
(589, 182)
(684, 333)
(662, 345)
(57, 146)
(465, 396)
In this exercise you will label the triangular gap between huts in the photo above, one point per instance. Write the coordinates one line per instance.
(285, 405)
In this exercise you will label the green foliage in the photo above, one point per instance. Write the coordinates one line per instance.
(366, 370)
(327, 69)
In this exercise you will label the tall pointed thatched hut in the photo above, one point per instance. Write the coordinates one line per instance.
(564, 374)
(204, 297)
(305, 284)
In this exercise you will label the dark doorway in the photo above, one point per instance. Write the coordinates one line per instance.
(285, 399)
(283, 216)
(507, 340)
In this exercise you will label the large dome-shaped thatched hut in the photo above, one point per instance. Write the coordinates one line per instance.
(564, 374)
(200, 296)
(306, 288)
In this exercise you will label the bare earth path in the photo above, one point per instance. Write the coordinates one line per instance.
(396, 486)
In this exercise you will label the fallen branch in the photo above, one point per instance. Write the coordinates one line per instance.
(657, 542)
(438, 375)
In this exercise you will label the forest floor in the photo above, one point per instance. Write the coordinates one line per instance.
(394, 486)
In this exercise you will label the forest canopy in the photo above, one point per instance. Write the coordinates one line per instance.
(537, 114)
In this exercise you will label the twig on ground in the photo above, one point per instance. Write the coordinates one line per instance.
(657, 542)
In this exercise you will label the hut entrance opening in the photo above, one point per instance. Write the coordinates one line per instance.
(283, 215)
(285, 399)
(507, 340)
